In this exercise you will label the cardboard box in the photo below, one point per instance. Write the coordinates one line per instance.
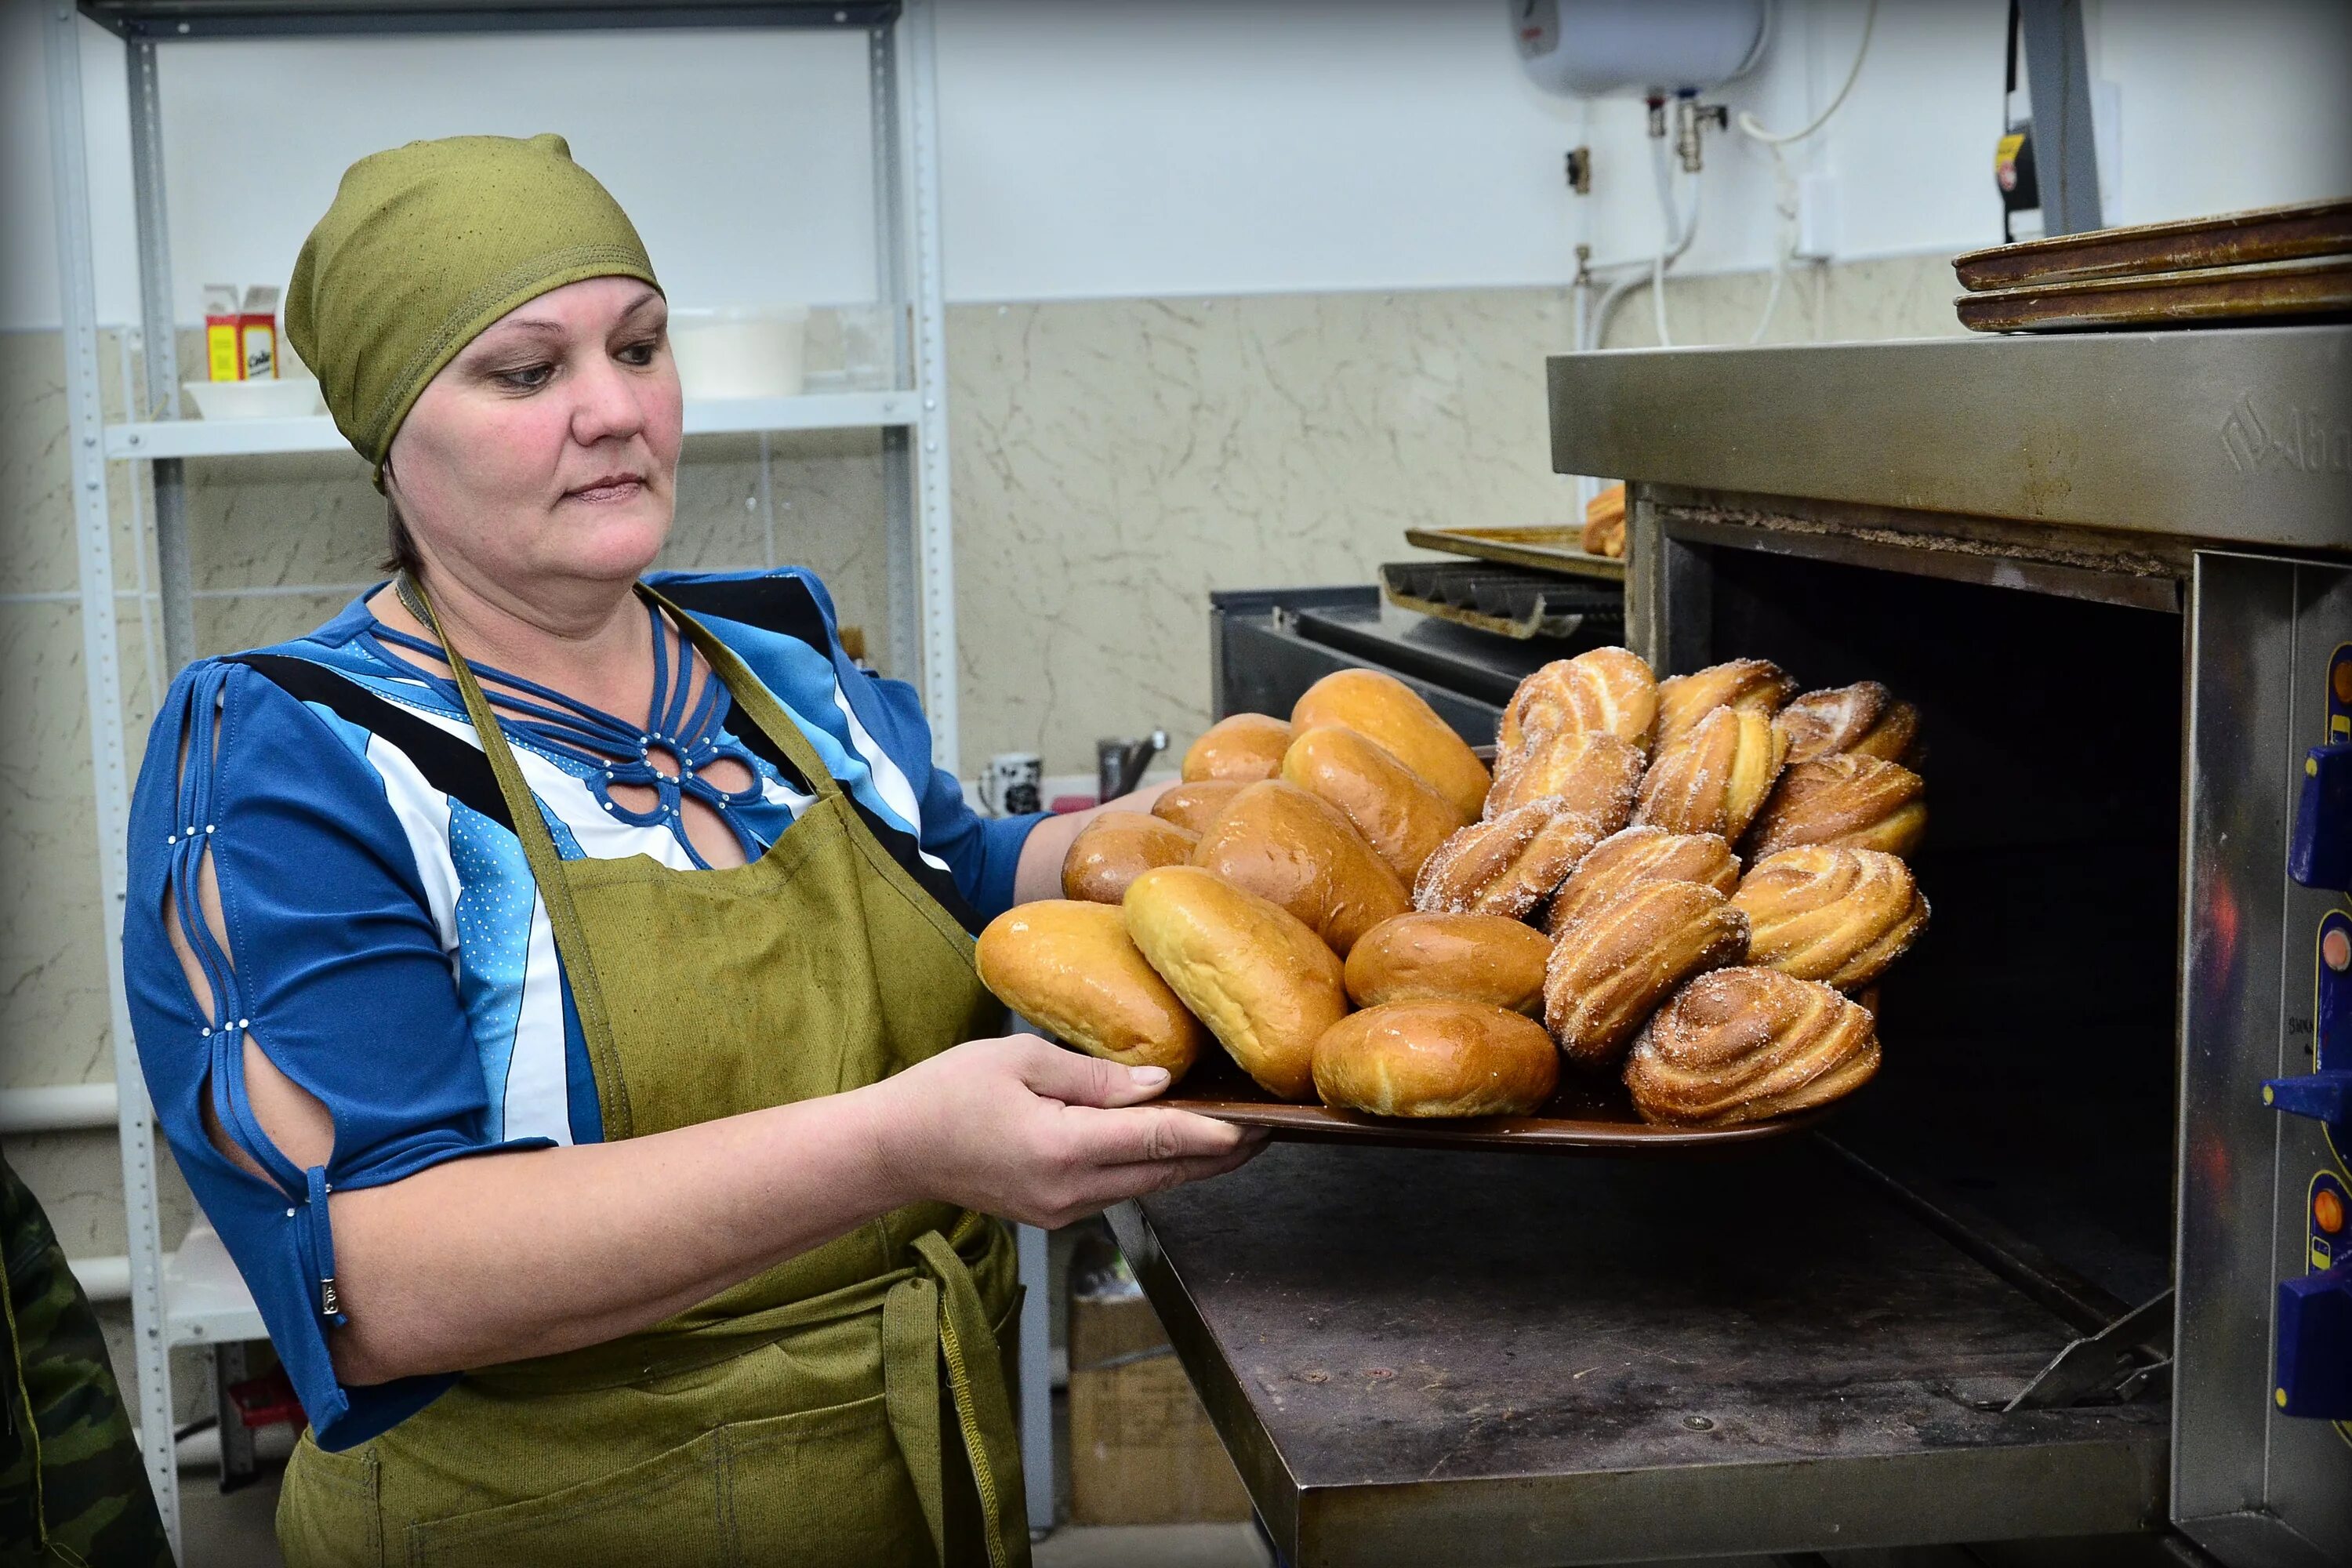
(1141, 1449)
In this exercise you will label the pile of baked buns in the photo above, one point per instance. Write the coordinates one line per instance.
(1684, 883)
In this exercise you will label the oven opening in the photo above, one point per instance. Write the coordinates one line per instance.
(2028, 1085)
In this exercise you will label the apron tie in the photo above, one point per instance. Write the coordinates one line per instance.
(936, 1314)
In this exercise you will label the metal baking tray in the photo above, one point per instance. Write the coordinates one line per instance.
(1550, 547)
(2232, 239)
(2306, 291)
(1516, 602)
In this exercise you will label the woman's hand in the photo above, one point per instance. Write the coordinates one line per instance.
(1023, 1130)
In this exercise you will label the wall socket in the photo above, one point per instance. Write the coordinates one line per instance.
(1820, 221)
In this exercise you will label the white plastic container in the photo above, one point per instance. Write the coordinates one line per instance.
(746, 351)
(272, 399)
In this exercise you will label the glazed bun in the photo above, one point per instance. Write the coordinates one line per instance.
(1714, 776)
(1609, 689)
(1637, 854)
(1506, 865)
(1826, 913)
(1435, 1058)
(1593, 771)
(1757, 685)
(1265, 985)
(1863, 802)
(1246, 747)
(1116, 848)
(1401, 817)
(1070, 968)
(1464, 958)
(1193, 806)
(1743, 1045)
(1864, 718)
(1300, 850)
(1393, 714)
(1610, 971)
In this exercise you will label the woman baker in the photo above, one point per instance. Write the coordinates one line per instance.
(552, 978)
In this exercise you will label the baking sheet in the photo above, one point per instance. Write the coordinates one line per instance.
(2293, 289)
(1550, 547)
(1517, 602)
(2269, 234)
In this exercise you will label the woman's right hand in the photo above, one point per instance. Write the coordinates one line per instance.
(1024, 1129)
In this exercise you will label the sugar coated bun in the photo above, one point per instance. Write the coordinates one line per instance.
(1399, 816)
(1862, 801)
(1300, 850)
(1116, 848)
(1827, 912)
(1192, 806)
(1466, 958)
(1436, 1059)
(1610, 971)
(1265, 985)
(1605, 689)
(1506, 865)
(1714, 776)
(1246, 747)
(1593, 771)
(1864, 718)
(1745, 1044)
(1069, 967)
(1393, 714)
(1756, 684)
(1640, 854)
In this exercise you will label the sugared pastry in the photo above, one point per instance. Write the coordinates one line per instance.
(1592, 769)
(1116, 848)
(1464, 958)
(1265, 985)
(1612, 969)
(1505, 865)
(1393, 714)
(1399, 815)
(1606, 688)
(1639, 855)
(1826, 913)
(1435, 1058)
(1752, 683)
(1245, 748)
(1714, 776)
(1300, 850)
(1865, 802)
(1864, 718)
(1744, 1045)
(1192, 806)
(1070, 968)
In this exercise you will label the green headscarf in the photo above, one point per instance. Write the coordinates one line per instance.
(429, 243)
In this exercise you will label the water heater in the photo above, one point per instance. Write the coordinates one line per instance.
(1593, 48)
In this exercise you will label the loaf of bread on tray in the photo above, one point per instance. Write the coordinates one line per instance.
(1389, 805)
(1393, 714)
(1192, 806)
(1612, 969)
(1116, 848)
(1243, 747)
(1506, 865)
(1593, 771)
(1865, 802)
(1638, 855)
(1298, 849)
(1465, 958)
(1757, 685)
(1435, 1058)
(1714, 776)
(1864, 718)
(1827, 912)
(1743, 1043)
(1607, 688)
(1070, 968)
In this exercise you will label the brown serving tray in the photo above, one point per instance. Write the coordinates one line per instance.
(1593, 1117)
(1550, 547)
(2230, 239)
(2266, 290)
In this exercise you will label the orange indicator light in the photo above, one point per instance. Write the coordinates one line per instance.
(2341, 679)
(2335, 950)
(2328, 1211)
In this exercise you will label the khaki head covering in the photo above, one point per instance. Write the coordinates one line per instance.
(429, 243)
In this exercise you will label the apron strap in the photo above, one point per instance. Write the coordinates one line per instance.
(983, 1410)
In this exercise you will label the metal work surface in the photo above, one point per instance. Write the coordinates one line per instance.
(1440, 1357)
(2242, 435)
(297, 18)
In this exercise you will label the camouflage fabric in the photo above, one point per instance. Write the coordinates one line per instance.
(73, 1489)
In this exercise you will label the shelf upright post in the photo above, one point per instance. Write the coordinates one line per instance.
(935, 547)
(100, 652)
(892, 302)
(160, 338)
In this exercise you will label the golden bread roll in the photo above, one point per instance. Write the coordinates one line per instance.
(1467, 958)
(1612, 969)
(1505, 865)
(1864, 718)
(1264, 984)
(1743, 1045)
(1638, 855)
(1193, 806)
(1865, 802)
(1713, 777)
(1399, 815)
(1116, 848)
(1826, 913)
(1243, 747)
(1593, 770)
(1300, 850)
(1393, 714)
(1436, 1059)
(1070, 968)
(1606, 688)
(1751, 683)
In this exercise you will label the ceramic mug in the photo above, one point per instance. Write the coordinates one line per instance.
(1010, 786)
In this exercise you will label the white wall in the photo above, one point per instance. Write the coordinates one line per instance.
(1185, 147)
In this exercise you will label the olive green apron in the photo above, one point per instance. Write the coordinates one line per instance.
(848, 1406)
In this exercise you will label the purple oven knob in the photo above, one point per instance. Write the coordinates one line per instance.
(2314, 1345)
(2320, 853)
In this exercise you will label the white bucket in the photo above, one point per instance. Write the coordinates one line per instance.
(747, 350)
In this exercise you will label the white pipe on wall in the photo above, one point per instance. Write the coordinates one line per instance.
(65, 1108)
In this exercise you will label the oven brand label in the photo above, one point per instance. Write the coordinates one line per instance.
(2302, 439)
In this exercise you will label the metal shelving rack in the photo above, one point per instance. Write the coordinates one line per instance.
(198, 1299)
